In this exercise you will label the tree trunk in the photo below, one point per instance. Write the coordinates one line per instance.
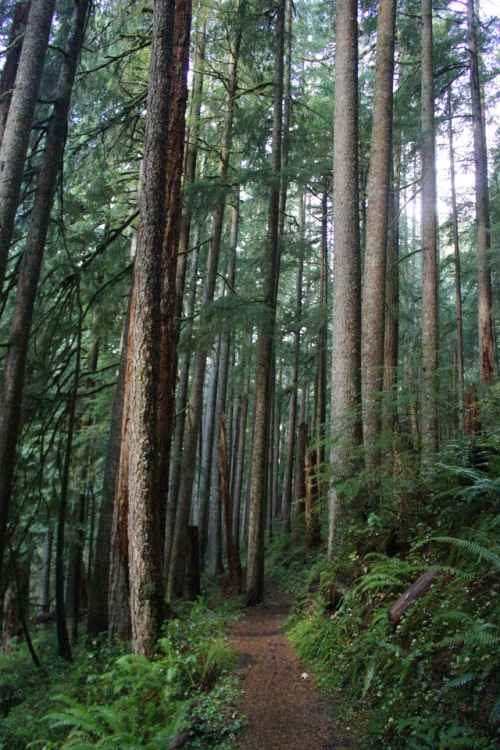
(234, 569)
(257, 504)
(177, 559)
(62, 629)
(292, 418)
(9, 71)
(458, 285)
(240, 460)
(185, 228)
(76, 544)
(429, 427)
(44, 597)
(20, 326)
(379, 183)
(483, 242)
(391, 334)
(346, 353)
(313, 527)
(300, 473)
(201, 510)
(169, 301)
(144, 520)
(99, 583)
(17, 131)
(180, 419)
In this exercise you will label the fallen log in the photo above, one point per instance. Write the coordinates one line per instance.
(416, 591)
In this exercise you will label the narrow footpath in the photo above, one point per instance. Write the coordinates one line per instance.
(284, 709)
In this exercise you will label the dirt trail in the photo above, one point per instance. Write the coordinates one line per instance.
(284, 709)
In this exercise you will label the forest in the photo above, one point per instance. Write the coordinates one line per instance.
(249, 319)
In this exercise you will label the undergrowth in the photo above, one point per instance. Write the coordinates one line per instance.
(431, 682)
(108, 698)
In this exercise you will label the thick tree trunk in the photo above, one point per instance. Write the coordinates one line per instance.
(346, 352)
(429, 428)
(144, 520)
(17, 131)
(257, 500)
(20, 326)
(9, 71)
(177, 558)
(379, 183)
(458, 285)
(169, 301)
(483, 242)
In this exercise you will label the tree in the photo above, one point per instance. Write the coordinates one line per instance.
(429, 246)
(146, 589)
(483, 243)
(20, 327)
(346, 350)
(265, 340)
(379, 182)
(17, 131)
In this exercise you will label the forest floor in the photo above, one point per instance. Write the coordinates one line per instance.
(282, 705)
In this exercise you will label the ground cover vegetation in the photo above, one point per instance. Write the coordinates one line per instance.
(249, 304)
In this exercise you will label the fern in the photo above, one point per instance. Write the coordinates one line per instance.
(464, 545)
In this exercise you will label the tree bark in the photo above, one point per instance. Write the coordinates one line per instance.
(346, 351)
(458, 284)
(483, 242)
(20, 326)
(144, 520)
(169, 302)
(44, 597)
(391, 333)
(17, 131)
(379, 183)
(257, 500)
(429, 428)
(9, 71)
(292, 418)
(234, 569)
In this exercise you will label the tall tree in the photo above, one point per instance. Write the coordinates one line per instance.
(265, 341)
(17, 131)
(9, 70)
(483, 242)
(346, 351)
(372, 332)
(145, 551)
(20, 327)
(429, 427)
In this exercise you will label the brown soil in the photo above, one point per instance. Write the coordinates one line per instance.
(284, 709)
